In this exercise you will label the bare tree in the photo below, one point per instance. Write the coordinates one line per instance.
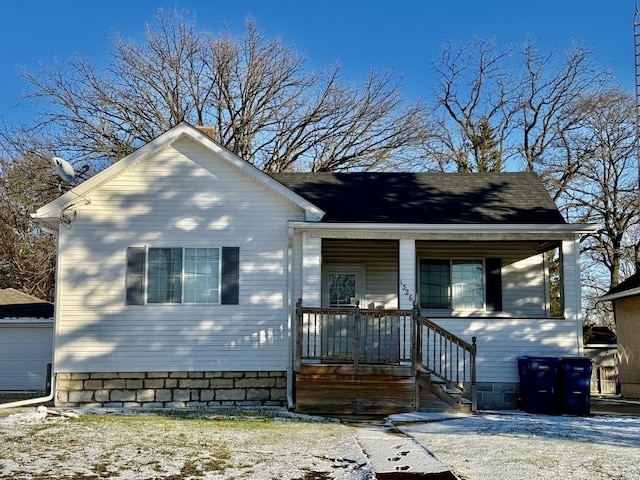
(523, 96)
(605, 187)
(266, 106)
(550, 87)
(475, 91)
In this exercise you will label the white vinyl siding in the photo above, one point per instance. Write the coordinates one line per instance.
(182, 196)
(524, 290)
(501, 341)
(311, 270)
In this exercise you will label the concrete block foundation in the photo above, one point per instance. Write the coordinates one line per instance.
(171, 389)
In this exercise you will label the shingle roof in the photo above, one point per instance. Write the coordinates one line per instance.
(628, 288)
(16, 304)
(426, 198)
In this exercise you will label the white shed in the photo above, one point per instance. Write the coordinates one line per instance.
(26, 341)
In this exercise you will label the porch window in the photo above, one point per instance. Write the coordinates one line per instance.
(182, 275)
(452, 284)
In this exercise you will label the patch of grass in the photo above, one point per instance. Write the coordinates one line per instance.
(219, 459)
(173, 444)
(101, 468)
(190, 469)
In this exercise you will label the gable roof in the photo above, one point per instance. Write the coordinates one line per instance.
(80, 195)
(626, 289)
(426, 198)
(16, 304)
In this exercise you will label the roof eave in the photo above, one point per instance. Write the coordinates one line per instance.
(620, 295)
(451, 228)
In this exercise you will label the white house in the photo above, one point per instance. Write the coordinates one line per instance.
(180, 266)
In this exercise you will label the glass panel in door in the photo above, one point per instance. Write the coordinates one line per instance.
(342, 289)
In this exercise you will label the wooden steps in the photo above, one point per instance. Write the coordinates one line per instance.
(326, 389)
(337, 390)
(436, 397)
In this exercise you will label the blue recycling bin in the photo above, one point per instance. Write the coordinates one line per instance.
(576, 386)
(539, 380)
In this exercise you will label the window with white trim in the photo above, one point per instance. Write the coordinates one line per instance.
(182, 275)
(456, 284)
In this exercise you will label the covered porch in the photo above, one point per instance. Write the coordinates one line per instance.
(372, 336)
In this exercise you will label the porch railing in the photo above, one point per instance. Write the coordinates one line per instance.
(354, 335)
(388, 337)
(447, 357)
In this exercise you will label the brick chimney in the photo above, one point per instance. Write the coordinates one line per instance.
(208, 131)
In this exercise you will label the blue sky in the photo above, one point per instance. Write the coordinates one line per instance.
(359, 34)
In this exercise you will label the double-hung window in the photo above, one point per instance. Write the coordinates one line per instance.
(452, 284)
(182, 275)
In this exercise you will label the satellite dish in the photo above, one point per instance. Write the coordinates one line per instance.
(63, 168)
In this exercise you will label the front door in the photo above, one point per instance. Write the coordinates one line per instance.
(342, 286)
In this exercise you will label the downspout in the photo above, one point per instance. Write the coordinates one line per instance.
(290, 402)
(52, 379)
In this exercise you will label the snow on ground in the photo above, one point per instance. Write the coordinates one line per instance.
(122, 445)
(138, 445)
(516, 445)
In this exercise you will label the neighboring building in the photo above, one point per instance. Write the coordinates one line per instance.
(625, 298)
(26, 336)
(180, 267)
(601, 346)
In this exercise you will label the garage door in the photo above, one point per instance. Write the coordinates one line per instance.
(25, 351)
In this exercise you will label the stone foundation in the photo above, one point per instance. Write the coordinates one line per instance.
(171, 389)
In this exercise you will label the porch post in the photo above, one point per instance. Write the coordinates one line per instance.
(407, 301)
(311, 270)
(298, 340)
(407, 273)
(356, 337)
(571, 286)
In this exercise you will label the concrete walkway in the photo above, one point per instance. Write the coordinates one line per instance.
(395, 456)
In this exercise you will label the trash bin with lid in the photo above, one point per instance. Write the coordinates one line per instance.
(576, 385)
(539, 384)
